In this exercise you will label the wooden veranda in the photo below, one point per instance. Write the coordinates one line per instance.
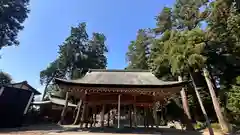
(99, 91)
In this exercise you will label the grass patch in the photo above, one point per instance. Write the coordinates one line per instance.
(199, 125)
(216, 126)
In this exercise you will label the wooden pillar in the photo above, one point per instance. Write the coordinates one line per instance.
(95, 119)
(28, 104)
(94, 110)
(78, 112)
(130, 115)
(155, 115)
(151, 116)
(144, 117)
(91, 117)
(119, 105)
(102, 115)
(147, 117)
(83, 114)
(86, 119)
(162, 113)
(108, 119)
(114, 117)
(64, 109)
(135, 112)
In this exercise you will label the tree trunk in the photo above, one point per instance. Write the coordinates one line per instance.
(222, 121)
(202, 107)
(184, 100)
(45, 89)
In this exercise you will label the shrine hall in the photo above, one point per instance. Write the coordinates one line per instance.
(102, 90)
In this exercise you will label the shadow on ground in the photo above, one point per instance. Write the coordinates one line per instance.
(127, 130)
(54, 128)
(35, 127)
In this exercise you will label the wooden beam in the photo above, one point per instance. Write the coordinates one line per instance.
(162, 89)
(28, 104)
(78, 112)
(64, 109)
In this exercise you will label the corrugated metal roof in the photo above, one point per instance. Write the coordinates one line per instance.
(57, 101)
(120, 77)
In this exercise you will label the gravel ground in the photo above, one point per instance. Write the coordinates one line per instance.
(64, 130)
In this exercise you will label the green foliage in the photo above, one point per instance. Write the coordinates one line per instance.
(181, 46)
(77, 54)
(5, 78)
(187, 13)
(55, 69)
(138, 51)
(164, 20)
(233, 101)
(12, 14)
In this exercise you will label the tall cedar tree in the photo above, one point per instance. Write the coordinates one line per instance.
(138, 51)
(76, 55)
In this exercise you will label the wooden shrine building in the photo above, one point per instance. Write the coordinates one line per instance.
(100, 91)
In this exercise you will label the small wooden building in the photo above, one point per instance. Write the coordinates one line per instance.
(100, 91)
(51, 109)
(15, 100)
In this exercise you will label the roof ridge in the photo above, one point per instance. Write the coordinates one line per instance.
(118, 70)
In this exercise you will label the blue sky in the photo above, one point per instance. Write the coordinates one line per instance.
(49, 24)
